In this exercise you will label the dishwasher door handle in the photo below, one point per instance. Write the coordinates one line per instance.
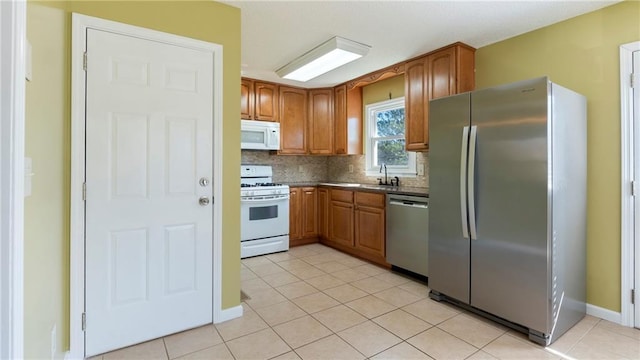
(409, 204)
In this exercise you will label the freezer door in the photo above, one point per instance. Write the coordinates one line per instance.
(448, 229)
(511, 197)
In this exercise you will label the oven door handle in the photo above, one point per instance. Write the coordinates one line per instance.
(265, 199)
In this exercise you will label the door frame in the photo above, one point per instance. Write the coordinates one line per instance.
(80, 24)
(630, 233)
(13, 21)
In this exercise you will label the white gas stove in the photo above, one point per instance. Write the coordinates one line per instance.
(264, 212)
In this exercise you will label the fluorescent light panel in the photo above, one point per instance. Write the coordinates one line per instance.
(323, 58)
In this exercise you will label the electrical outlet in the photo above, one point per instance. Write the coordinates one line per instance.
(300, 169)
(54, 342)
(350, 168)
(421, 170)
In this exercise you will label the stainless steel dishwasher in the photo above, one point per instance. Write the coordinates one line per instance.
(408, 232)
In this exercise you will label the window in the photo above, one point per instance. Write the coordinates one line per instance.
(385, 143)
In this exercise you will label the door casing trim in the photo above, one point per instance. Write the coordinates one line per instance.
(630, 237)
(80, 24)
(13, 20)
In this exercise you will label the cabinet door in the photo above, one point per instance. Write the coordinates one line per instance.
(320, 129)
(295, 220)
(416, 105)
(341, 224)
(340, 120)
(323, 213)
(354, 121)
(266, 101)
(309, 212)
(246, 99)
(293, 120)
(370, 230)
(441, 75)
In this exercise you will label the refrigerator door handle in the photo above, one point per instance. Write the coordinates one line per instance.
(463, 181)
(471, 182)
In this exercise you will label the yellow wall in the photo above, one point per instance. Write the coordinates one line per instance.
(379, 91)
(582, 54)
(48, 137)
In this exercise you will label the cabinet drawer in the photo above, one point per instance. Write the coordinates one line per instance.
(342, 195)
(370, 199)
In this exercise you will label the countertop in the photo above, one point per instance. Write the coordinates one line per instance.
(404, 190)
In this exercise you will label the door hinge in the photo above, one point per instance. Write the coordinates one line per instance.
(84, 61)
(84, 321)
(84, 191)
(635, 80)
(633, 296)
(213, 200)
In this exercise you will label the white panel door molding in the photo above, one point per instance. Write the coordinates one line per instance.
(636, 245)
(153, 130)
(630, 185)
(12, 99)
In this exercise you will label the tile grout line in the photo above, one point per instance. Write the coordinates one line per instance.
(339, 304)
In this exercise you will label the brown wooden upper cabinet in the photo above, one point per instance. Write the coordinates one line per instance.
(347, 121)
(246, 99)
(258, 100)
(447, 71)
(320, 127)
(293, 120)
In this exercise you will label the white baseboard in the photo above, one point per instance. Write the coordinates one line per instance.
(69, 356)
(605, 314)
(228, 314)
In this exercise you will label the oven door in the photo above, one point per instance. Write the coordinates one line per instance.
(264, 216)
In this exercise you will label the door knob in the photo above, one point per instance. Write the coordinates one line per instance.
(203, 201)
(204, 181)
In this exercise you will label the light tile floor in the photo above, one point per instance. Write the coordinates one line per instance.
(314, 302)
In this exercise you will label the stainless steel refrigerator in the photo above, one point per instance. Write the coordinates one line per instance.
(507, 224)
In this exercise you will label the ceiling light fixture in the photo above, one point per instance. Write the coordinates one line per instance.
(323, 58)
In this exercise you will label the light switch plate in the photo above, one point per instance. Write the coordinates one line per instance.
(421, 170)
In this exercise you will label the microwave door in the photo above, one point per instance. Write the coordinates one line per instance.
(254, 138)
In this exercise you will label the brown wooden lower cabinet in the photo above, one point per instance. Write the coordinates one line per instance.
(350, 221)
(323, 213)
(356, 223)
(303, 217)
(341, 223)
(370, 223)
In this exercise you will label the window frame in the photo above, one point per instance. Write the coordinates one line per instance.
(370, 140)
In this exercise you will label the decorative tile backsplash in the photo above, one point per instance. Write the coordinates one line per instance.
(289, 168)
(338, 170)
(297, 168)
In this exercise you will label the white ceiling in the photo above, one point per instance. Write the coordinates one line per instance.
(276, 32)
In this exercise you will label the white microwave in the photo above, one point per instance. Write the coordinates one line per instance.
(260, 135)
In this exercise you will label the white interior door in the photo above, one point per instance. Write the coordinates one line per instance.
(148, 144)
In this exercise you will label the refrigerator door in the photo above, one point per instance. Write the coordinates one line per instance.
(448, 229)
(511, 199)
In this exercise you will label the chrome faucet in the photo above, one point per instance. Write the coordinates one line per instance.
(386, 182)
